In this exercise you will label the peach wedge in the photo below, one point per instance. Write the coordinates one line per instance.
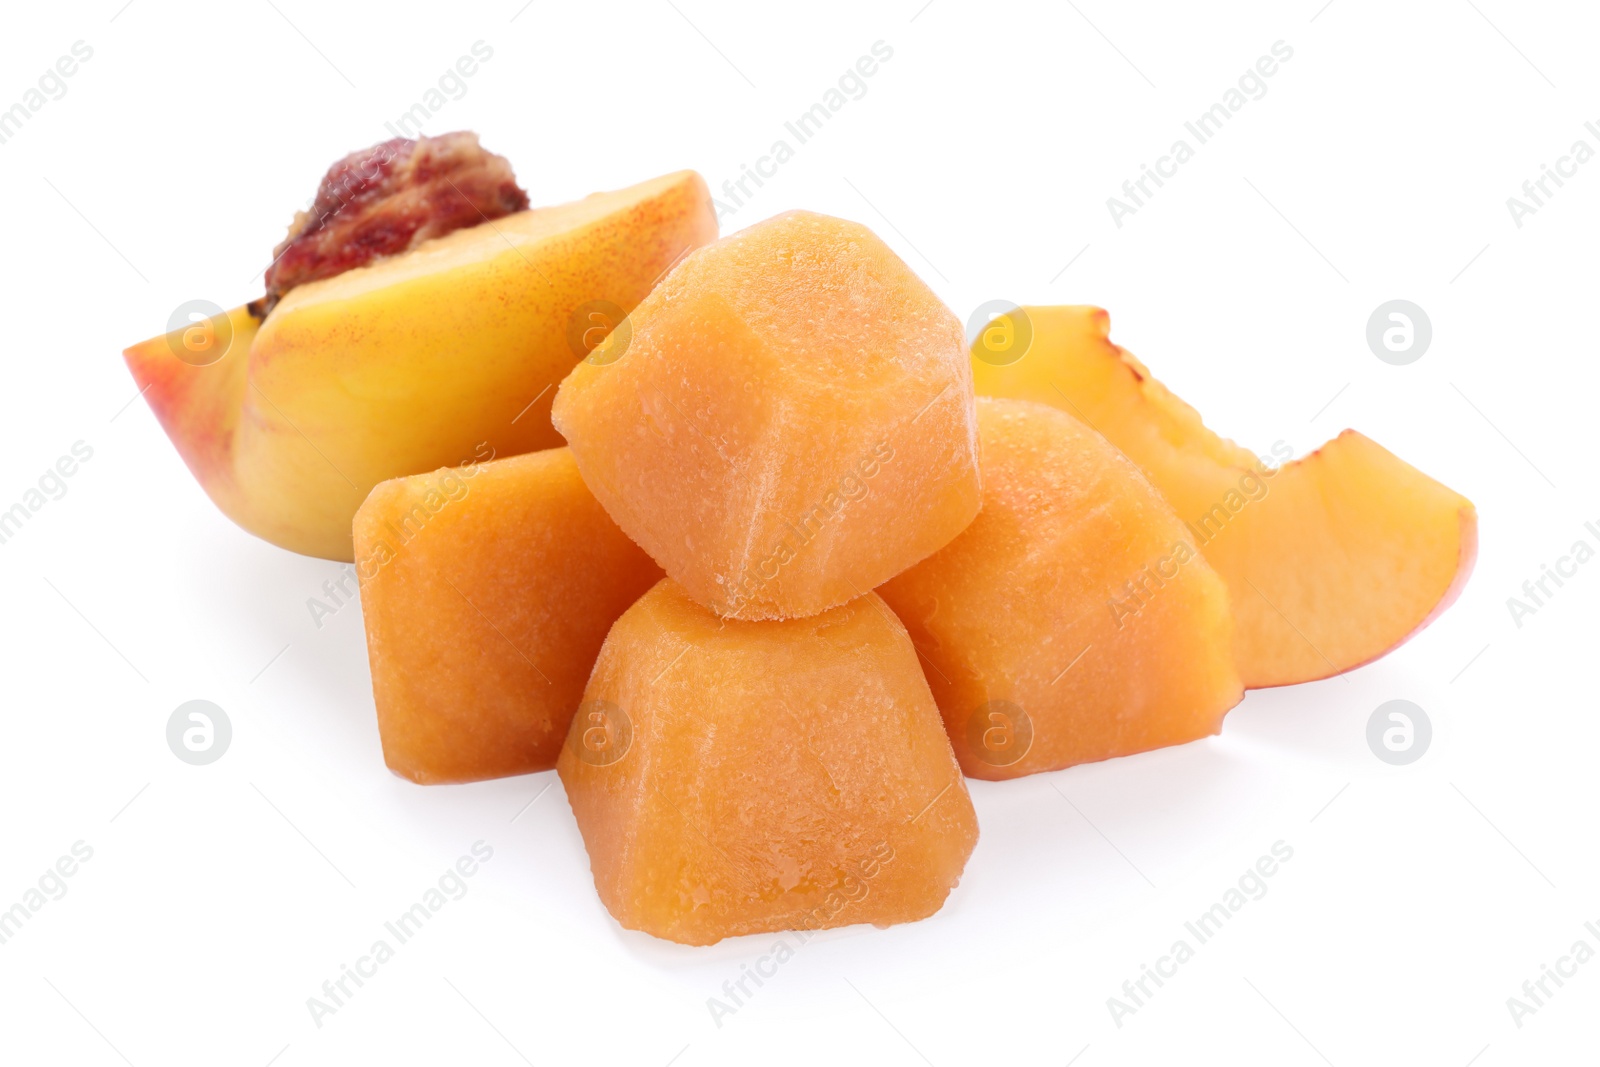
(1331, 560)
(449, 352)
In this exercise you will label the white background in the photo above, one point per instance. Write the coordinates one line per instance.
(1377, 166)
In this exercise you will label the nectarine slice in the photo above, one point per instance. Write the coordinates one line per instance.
(449, 352)
(1331, 560)
(743, 777)
(1072, 621)
(791, 423)
(487, 590)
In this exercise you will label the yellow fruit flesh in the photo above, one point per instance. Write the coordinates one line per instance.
(450, 352)
(1331, 560)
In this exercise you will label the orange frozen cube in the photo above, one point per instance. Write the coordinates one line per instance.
(743, 777)
(1073, 620)
(787, 422)
(1331, 560)
(487, 590)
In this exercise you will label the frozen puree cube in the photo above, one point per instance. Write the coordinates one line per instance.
(1331, 560)
(1073, 620)
(788, 423)
(742, 777)
(487, 591)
